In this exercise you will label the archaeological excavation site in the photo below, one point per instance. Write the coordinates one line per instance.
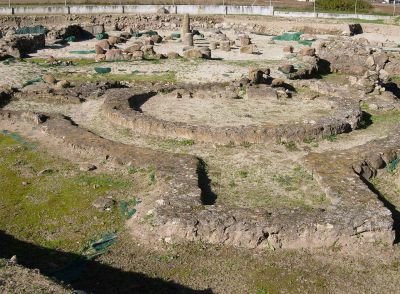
(179, 152)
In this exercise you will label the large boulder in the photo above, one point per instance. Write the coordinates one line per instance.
(112, 40)
(104, 44)
(196, 53)
(114, 55)
(136, 55)
(148, 50)
(134, 47)
(286, 68)
(355, 29)
(256, 75)
(173, 55)
(249, 49)
(307, 51)
(98, 49)
(244, 40)
(93, 29)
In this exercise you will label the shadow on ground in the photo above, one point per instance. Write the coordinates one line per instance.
(94, 276)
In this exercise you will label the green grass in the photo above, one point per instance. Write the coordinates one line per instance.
(53, 210)
(297, 179)
(388, 117)
(290, 146)
(76, 61)
(243, 174)
(175, 142)
(331, 138)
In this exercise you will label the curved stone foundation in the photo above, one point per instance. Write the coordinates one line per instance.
(118, 109)
(355, 216)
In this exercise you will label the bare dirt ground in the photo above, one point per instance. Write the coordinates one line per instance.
(216, 111)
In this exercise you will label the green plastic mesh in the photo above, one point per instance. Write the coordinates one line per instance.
(391, 167)
(101, 36)
(17, 138)
(32, 81)
(70, 39)
(102, 70)
(139, 34)
(31, 30)
(292, 37)
(127, 208)
(73, 271)
(82, 51)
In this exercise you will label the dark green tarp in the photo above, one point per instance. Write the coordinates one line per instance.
(102, 70)
(82, 51)
(70, 39)
(31, 30)
(101, 36)
(292, 37)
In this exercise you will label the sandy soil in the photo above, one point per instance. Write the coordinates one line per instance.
(221, 112)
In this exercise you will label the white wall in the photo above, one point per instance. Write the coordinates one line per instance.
(181, 9)
(96, 9)
(5, 11)
(40, 10)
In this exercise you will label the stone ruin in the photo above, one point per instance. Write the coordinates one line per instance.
(184, 211)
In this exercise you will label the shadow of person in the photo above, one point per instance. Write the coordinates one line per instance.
(88, 275)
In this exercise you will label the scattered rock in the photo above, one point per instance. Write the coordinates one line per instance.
(249, 49)
(286, 68)
(49, 79)
(45, 172)
(288, 49)
(112, 40)
(100, 57)
(244, 40)
(63, 84)
(104, 203)
(87, 167)
(13, 260)
(225, 45)
(99, 50)
(307, 51)
(104, 44)
(173, 55)
(114, 55)
(136, 55)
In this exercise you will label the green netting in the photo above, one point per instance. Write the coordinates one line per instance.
(102, 36)
(150, 33)
(127, 208)
(82, 51)
(102, 70)
(72, 271)
(391, 167)
(100, 246)
(197, 33)
(31, 30)
(32, 81)
(9, 60)
(17, 138)
(292, 37)
(288, 37)
(70, 39)
(139, 34)
(176, 35)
